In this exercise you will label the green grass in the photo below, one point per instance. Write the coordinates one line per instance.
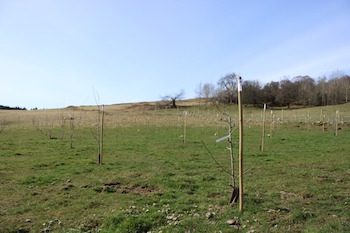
(151, 181)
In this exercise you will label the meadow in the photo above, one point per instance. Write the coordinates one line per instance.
(162, 170)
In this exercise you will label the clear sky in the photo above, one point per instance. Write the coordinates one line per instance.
(55, 53)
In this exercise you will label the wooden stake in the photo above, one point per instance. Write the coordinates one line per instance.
(240, 116)
(336, 122)
(101, 138)
(263, 129)
(308, 119)
(322, 120)
(231, 152)
(271, 125)
(71, 129)
(185, 126)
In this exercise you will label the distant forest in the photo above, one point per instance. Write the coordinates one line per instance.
(11, 108)
(300, 90)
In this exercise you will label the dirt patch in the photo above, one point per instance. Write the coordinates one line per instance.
(141, 189)
(284, 196)
(117, 187)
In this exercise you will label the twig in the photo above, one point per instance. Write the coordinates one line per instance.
(217, 163)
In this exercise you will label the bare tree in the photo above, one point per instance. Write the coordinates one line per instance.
(252, 93)
(288, 93)
(321, 94)
(208, 91)
(306, 90)
(199, 90)
(173, 98)
(228, 84)
(270, 92)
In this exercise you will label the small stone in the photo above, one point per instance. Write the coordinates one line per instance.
(231, 222)
(67, 187)
(209, 215)
(28, 220)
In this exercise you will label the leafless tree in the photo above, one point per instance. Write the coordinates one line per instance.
(306, 90)
(228, 85)
(288, 93)
(252, 92)
(206, 91)
(270, 92)
(173, 98)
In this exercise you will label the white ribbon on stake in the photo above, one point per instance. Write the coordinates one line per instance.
(239, 84)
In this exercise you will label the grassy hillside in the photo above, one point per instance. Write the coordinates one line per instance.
(151, 181)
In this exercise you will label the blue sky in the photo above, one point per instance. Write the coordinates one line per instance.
(56, 53)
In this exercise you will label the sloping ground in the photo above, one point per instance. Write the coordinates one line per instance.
(84, 115)
(157, 113)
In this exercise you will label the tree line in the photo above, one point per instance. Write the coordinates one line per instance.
(300, 90)
(2, 107)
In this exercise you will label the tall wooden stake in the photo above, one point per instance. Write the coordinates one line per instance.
(71, 129)
(322, 120)
(101, 137)
(231, 152)
(271, 125)
(240, 113)
(308, 120)
(185, 126)
(336, 122)
(263, 129)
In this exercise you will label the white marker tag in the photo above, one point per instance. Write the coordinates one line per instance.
(239, 87)
(223, 138)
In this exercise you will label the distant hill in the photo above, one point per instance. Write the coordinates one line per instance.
(11, 108)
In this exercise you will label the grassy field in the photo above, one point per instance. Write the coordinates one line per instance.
(150, 181)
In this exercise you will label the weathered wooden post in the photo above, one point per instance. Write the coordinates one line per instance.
(263, 129)
(271, 125)
(71, 129)
(185, 128)
(240, 152)
(102, 131)
(322, 120)
(336, 122)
